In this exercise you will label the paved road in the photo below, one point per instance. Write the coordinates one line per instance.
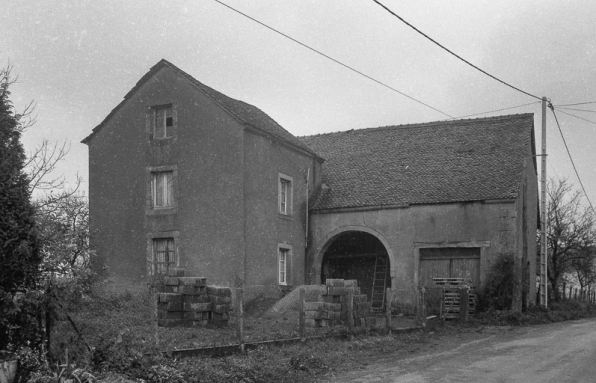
(561, 352)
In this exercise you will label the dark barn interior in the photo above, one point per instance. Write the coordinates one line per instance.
(361, 256)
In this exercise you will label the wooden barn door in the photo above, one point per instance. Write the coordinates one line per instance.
(446, 262)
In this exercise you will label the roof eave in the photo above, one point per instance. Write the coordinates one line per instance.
(344, 209)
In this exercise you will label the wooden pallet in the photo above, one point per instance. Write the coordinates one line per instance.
(451, 300)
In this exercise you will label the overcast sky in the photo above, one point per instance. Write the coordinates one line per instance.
(77, 59)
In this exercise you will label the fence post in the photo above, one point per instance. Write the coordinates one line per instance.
(240, 316)
(422, 306)
(302, 326)
(463, 304)
(388, 301)
(351, 313)
(154, 297)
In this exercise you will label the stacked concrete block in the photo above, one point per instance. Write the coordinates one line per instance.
(188, 301)
(221, 302)
(331, 308)
(169, 310)
(361, 309)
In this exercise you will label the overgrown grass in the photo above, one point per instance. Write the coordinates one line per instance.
(557, 312)
(307, 362)
(120, 330)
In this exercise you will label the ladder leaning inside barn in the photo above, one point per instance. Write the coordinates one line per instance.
(379, 284)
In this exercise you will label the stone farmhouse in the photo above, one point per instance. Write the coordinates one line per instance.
(181, 175)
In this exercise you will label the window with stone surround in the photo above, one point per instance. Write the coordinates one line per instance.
(285, 194)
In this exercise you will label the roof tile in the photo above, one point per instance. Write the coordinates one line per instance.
(439, 162)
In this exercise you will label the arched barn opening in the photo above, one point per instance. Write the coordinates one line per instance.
(361, 256)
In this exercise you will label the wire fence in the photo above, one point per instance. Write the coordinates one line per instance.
(578, 294)
(192, 315)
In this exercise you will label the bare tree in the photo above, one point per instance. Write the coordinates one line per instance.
(47, 188)
(583, 269)
(570, 232)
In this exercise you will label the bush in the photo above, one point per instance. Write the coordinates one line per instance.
(500, 285)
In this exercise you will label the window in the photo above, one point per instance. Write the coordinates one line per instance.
(161, 124)
(284, 257)
(161, 183)
(285, 195)
(164, 254)
(162, 189)
(164, 123)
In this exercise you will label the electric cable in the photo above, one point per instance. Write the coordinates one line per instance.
(579, 103)
(494, 111)
(578, 117)
(571, 158)
(334, 60)
(575, 109)
(454, 54)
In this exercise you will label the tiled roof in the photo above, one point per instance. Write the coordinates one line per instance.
(439, 162)
(246, 113)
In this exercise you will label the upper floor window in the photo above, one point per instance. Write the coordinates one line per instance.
(161, 122)
(162, 190)
(285, 194)
(164, 122)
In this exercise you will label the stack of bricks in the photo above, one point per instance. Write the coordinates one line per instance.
(221, 301)
(189, 302)
(331, 307)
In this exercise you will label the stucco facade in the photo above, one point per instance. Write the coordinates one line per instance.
(181, 175)
(223, 216)
(449, 212)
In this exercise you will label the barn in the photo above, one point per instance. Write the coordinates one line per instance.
(401, 205)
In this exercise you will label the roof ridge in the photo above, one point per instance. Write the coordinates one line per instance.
(209, 89)
(425, 124)
(242, 111)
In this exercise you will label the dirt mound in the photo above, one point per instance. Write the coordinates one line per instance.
(291, 302)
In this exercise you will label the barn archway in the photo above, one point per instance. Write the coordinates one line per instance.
(361, 256)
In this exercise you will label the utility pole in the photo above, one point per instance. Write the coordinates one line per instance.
(543, 217)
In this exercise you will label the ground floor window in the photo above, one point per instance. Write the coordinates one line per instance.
(164, 254)
(284, 254)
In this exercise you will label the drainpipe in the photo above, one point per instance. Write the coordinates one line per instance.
(306, 230)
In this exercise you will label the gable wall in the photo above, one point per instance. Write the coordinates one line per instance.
(207, 152)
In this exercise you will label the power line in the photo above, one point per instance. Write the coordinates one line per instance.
(579, 103)
(578, 117)
(577, 110)
(571, 158)
(454, 54)
(496, 110)
(334, 60)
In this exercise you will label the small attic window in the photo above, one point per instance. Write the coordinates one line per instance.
(163, 122)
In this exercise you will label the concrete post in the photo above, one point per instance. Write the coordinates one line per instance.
(388, 300)
(463, 304)
(302, 327)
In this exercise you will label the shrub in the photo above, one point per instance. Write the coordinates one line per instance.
(500, 285)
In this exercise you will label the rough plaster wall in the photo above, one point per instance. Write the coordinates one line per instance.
(404, 229)
(266, 228)
(209, 202)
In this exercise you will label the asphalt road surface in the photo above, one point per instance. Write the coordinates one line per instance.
(560, 352)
